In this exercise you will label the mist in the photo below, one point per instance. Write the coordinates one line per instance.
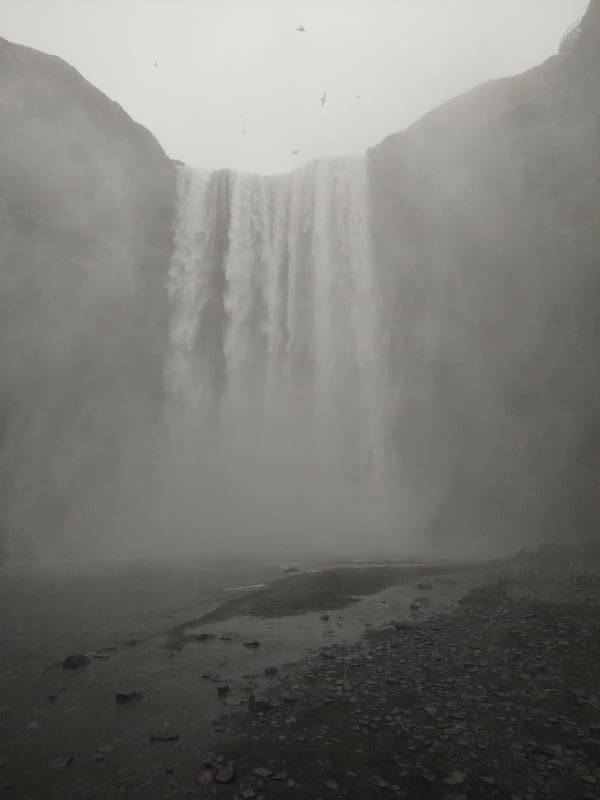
(357, 355)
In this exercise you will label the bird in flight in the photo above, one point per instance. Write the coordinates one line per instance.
(358, 97)
(155, 64)
(301, 29)
(323, 99)
(244, 130)
(295, 152)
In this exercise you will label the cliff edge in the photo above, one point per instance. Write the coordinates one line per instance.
(486, 224)
(86, 200)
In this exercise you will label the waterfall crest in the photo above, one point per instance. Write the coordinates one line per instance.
(274, 373)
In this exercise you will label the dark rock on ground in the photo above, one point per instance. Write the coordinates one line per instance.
(477, 704)
(125, 698)
(76, 661)
(225, 773)
(161, 738)
(61, 762)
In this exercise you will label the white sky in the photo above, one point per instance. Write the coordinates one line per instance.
(218, 59)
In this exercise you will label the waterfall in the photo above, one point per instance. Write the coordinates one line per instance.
(277, 396)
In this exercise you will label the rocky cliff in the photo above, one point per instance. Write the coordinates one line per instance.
(85, 213)
(486, 218)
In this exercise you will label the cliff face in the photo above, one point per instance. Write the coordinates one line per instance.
(486, 220)
(86, 201)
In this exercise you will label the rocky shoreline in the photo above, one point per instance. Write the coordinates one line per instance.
(473, 683)
(499, 699)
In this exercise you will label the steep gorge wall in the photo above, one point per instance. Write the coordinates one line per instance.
(486, 222)
(86, 204)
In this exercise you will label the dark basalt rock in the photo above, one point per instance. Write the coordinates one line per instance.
(76, 661)
(125, 698)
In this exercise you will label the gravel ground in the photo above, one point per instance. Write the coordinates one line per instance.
(501, 699)
(498, 696)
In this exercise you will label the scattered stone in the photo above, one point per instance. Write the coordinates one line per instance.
(271, 672)
(403, 627)
(262, 772)
(203, 637)
(252, 645)
(454, 779)
(61, 762)
(225, 773)
(161, 738)
(223, 689)
(248, 794)
(205, 777)
(259, 706)
(125, 698)
(291, 570)
(324, 617)
(425, 587)
(331, 785)
(76, 661)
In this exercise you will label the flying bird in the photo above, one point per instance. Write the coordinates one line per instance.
(358, 97)
(301, 29)
(243, 130)
(295, 152)
(323, 99)
(156, 65)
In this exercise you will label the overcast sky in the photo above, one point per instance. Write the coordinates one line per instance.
(219, 59)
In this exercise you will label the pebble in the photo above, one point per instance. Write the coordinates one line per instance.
(61, 762)
(225, 773)
(125, 698)
(76, 661)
